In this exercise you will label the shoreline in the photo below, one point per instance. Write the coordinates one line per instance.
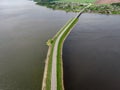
(111, 9)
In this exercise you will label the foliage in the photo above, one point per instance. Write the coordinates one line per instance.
(79, 1)
(76, 7)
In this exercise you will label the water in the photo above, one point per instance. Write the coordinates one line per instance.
(91, 54)
(24, 29)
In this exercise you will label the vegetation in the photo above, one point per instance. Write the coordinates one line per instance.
(105, 9)
(78, 1)
(76, 7)
(50, 43)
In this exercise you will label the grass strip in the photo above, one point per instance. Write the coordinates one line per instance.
(49, 70)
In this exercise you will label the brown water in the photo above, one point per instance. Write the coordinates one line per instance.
(24, 29)
(91, 54)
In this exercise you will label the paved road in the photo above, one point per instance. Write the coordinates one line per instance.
(54, 61)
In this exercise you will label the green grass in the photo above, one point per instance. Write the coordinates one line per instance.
(79, 1)
(49, 70)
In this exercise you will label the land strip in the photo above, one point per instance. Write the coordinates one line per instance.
(53, 75)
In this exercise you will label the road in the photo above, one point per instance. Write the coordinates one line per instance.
(54, 61)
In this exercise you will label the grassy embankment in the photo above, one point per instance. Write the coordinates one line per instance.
(77, 5)
(51, 44)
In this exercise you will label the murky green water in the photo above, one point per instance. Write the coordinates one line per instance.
(91, 54)
(24, 29)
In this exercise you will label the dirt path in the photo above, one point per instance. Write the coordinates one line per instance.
(107, 1)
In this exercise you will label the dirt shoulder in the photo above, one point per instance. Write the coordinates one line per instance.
(107, 1)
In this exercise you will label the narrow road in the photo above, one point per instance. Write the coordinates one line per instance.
(83, 10)
(54, 61)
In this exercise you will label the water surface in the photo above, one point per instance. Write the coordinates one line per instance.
(91, 54)
(24, 29)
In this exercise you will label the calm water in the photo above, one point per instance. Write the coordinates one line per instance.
(91, 54)
(24, 29)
